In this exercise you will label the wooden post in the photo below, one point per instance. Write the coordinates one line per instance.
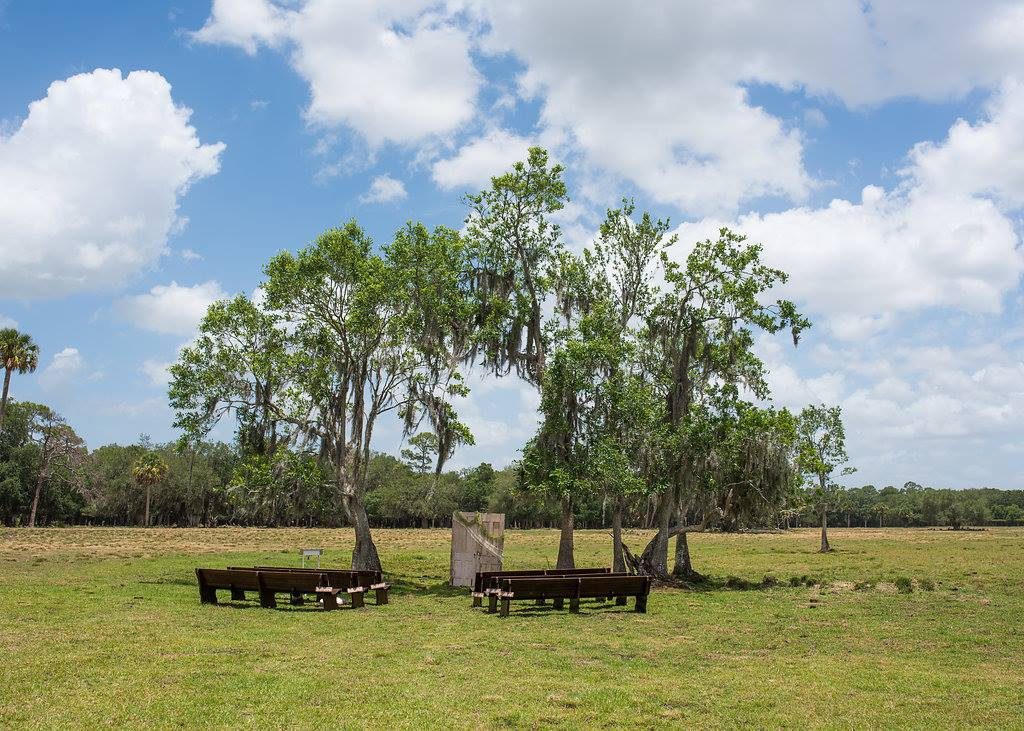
(356, 595)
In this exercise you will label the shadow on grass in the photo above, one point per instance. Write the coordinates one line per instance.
(591, 608)
(735, 583)
(424, 587)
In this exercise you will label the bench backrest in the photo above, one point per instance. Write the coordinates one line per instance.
(228, 579)
(364, 578)
(486, 579)
(536, 587)
(280, 581)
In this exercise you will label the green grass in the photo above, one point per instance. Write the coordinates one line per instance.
(104, 627)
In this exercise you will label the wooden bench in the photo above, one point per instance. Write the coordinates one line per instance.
(296, 583)
(485, 583)
(573, 588)
(269, 583)
(368, 579)
(237, 582)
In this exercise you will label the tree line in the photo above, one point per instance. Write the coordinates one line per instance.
(212, 485)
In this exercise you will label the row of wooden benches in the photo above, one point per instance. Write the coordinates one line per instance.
(327, 585)
(558, 585)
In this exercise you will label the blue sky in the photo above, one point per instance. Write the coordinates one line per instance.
(874, 148)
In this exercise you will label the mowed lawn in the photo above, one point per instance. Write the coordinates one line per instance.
(104, 627)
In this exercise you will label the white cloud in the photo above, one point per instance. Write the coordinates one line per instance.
(479, 159)
(6, 321)
(656, 93)
(814, 117)
(157, 372)
(91, 180)
(384, 189)
(244, 23)
(933, 413)
(190, 256)
(942, 237)
(393, 71)
(981, 159)
(172, 309)
(65, 367)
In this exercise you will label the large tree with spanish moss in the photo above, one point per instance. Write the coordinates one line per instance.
(346, 334)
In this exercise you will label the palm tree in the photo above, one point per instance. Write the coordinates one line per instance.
(148, 471)
(17, 353)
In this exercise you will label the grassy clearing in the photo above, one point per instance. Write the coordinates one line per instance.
(104, 627)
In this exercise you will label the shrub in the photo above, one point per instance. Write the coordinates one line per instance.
(926, 584)
(904, 585)
(769, 581)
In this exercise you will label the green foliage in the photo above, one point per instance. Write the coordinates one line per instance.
(904, 585)
(513, 248)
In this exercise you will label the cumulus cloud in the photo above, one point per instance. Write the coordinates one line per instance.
(656, 93)
(938, 414)
(65, 366)
(393, 72)
(91, 180)
(943, 237)
(244, 23)
(172, 309)
(384, 189)
(6, 321)
(157, 372)
(480, 158)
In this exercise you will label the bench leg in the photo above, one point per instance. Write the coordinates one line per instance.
(620, 601)
(296, 598)
(492, 603)
(574, 604)
(357, 599)
(207, 595)
(267, 600)
(382, 595)
(558, 603)
(641, 603)
(330, 600)
(504, 607)
(478, 601)
(237, 595)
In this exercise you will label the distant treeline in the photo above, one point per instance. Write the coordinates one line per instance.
(210, 484)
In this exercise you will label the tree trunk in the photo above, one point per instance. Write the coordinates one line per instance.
(618, 560)
(364, 553)
(3, 399)
(825, 548)
(565, 548)
(659, 548)
(149, 490)
(683, 568)
(35, 498)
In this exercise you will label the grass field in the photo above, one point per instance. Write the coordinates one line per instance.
(104, 627)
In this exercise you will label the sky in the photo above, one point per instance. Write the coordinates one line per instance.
(154, 156)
